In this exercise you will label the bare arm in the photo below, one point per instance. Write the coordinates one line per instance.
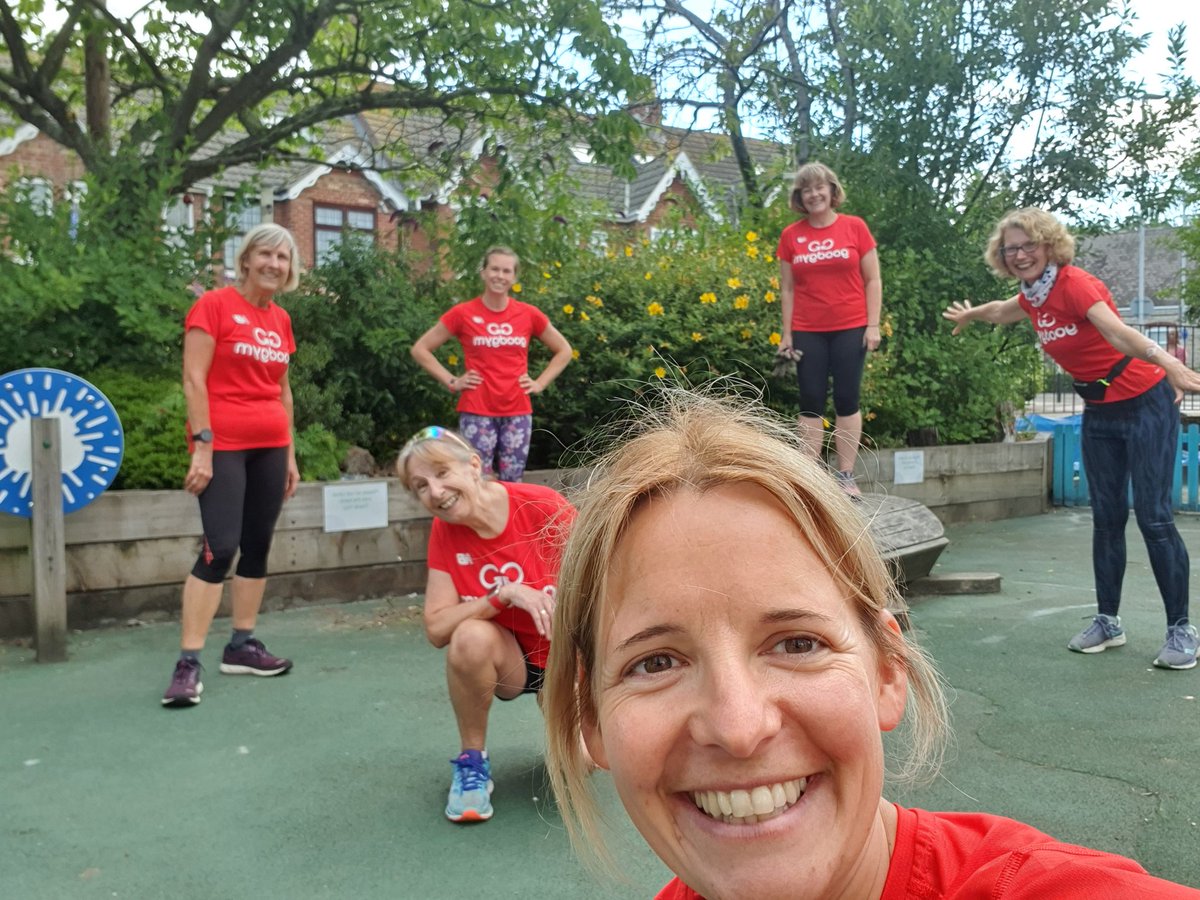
(559, 346)
(293, 470)
(198, 349)
(1133, 343)
(423, 350)
(873, 285)
(445, 610)
(787, 300)
(997, 312)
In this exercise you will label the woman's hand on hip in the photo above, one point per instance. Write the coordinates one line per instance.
(529, 385)
(465, 382)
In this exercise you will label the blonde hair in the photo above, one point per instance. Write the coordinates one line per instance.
(816, 173)
(433, 444)
(1041, 227)
(500, 250)
(269, 235)
(698, 443)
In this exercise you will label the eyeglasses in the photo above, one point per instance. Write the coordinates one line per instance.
(1013, 249)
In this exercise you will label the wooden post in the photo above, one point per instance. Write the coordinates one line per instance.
(48, 551)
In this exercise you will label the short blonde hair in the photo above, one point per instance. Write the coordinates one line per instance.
(816, 173)
(1042, 228)
(433, 444)
(269, 235)
(698, 443)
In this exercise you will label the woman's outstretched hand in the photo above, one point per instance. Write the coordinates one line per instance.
(958, 312)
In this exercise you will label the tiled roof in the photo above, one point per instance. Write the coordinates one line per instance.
(1113, 258)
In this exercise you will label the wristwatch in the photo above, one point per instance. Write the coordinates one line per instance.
(203, 436)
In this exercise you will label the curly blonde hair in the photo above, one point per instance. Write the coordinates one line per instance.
(1041, 227)
(699, 443)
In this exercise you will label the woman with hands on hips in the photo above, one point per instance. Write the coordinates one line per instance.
(495, 414)
(1131, 388)
(489, 595)
(831, 298)
(236, 349)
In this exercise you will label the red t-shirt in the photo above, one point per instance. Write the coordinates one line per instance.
(496, 345)
(828, 293)
(975, 856)
(526, 552)
(253, 346)
(1072, 341)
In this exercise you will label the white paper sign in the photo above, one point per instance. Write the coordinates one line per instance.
(356, 505)
(909, 466)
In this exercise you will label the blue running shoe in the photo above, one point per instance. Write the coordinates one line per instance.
(1104, 632)
(1179, 652)
(470, 791)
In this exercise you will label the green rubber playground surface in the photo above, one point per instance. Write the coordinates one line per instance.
(330, 782)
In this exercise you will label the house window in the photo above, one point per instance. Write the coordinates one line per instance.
(240, 220)
(334, 224)
(38, 193)
(179, 219)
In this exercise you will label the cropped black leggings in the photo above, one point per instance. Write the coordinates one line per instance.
(238, 510)
(830, 354)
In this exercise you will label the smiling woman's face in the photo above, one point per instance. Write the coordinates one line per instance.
(1026, 259)
(739, 703)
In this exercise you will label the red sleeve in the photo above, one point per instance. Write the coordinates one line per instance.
(285, 330)
(438, 554)
(541, 321)
(205, 314)
(677, 890)
(781, 251)
(866, 240)
(1084, 293)
(452, 319)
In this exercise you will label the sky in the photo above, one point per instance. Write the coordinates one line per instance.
(1156, 17)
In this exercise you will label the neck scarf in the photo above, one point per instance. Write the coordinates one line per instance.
(1037, 292)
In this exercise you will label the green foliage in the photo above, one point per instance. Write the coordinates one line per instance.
(318, 453)
(153, 415)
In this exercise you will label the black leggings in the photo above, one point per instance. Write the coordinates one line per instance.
(238, 509)
(830, 354)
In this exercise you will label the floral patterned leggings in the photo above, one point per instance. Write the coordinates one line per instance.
(501, 441)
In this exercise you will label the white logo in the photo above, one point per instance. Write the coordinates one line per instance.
(1045, 320)
(1048, 329)
(478, 320)
(501, 329)
(492, 576)
(463, 559)
(240, 319)
(268, 338)
(819, 246)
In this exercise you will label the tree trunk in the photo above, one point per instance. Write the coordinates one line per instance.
(96, 80)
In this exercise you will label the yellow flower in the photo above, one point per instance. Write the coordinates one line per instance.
(545, 274)
(660, 372)
(697, 336)
(708, 297)
(649, 275)
(569, 309)
(541, 289)
(751, 237)
(594, 300)
(734, 283)
(774, 339)
(452, 359)
(774, 282)
(886, 330)
(741, 301)
(608, 254)
(602, 338)
(825, 422)
(628, 250)
(870, 416)
(655, 308)
(752, 252)
(557, 264)
(574, 353)
(516, 288)
(768, 258)
(595, 285)
(584, 317)
(769, 297)
(746, 334)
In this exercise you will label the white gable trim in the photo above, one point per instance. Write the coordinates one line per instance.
(349, 156)
(682, 167)
(25, 132)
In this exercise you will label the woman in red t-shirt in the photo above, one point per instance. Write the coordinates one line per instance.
(1132, 389)
(495, 414)
(489, 598)
(236, 349)
(831, 296)
(724, 641)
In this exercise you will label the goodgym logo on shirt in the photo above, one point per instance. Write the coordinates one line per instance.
(265, 349)
(1048, 329)
(500, 334)
(817, 251)
(493, 576)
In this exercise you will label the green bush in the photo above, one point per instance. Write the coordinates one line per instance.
(153, 415)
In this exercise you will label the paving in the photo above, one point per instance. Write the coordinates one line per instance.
(330, 782)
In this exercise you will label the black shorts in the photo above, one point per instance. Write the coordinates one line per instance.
(534, 678)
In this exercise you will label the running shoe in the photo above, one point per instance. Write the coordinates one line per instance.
(1104, 632)
(470, 792)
